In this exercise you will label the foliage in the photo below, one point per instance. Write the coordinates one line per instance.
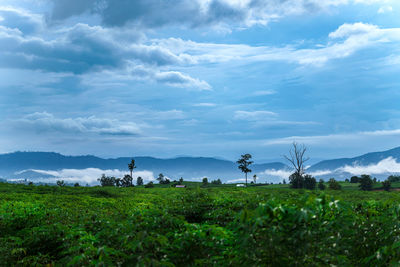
(220, 226)
(127, 181)
(386, 185)
(334, 185)
(139, 181)
(394, 178)
(205, 181)
(309, 182)
(106, 180)
(162, 180)
(244, 163)
(299, 181)
(60, 183)
(149, 185)
(216, 182)
(296, 180)
(365, 182)
(321, 185)
(132, 166)
(354, 179)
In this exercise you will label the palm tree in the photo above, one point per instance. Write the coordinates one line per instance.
(131, 166)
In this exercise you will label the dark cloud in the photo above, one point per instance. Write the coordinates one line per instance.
(63, 9)
(80, 49)
(192, 13)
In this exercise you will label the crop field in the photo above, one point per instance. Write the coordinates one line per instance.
(195, 226)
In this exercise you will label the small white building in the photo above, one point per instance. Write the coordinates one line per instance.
(240, 185)
(180, 186)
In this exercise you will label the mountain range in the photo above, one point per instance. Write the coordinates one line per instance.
(51, 166)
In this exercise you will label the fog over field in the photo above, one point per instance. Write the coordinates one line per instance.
(50, 167)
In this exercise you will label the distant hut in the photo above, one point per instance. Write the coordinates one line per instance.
(180, 186)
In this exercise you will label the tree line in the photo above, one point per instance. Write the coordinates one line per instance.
(297, 180)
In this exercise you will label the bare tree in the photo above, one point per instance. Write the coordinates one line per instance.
(297, 157)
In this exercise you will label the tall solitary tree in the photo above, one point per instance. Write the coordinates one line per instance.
(297, 158)
(255, 178)
(131, 166)
(244, 163)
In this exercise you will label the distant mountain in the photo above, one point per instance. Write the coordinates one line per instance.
(363, 160)
(30, 165)
(50, 166)
(379, 164)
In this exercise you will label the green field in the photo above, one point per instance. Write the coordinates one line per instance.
(217, 226)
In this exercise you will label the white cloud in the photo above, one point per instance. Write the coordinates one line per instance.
(46, 122)
(177, 79)
(233, 181)
(347, 30)
(385, 166)
(320, 173)
(343, 42)
(107, 78)
(331, 138)
(204, 105)
(283, 174)
(89, 175)
(263, 118)
(385, 9)
(264, 92)
(254, 115)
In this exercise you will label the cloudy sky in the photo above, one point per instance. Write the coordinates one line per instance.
(199, 77)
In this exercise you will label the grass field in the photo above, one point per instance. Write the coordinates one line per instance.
(219, 226)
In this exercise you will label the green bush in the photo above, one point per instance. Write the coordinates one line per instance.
(321, 185)
(366, 182)
(334, 185)
(386, 185)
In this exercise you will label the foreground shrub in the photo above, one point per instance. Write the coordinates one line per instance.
(334, 185)
(318, 232)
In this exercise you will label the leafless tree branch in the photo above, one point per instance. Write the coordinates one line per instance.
(297, 157)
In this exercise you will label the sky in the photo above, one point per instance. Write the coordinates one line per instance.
(200, 77)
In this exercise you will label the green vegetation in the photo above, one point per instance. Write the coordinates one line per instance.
(217, 225)
(334, 185)
(244, 163)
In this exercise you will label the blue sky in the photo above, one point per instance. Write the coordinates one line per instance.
(200, 77)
